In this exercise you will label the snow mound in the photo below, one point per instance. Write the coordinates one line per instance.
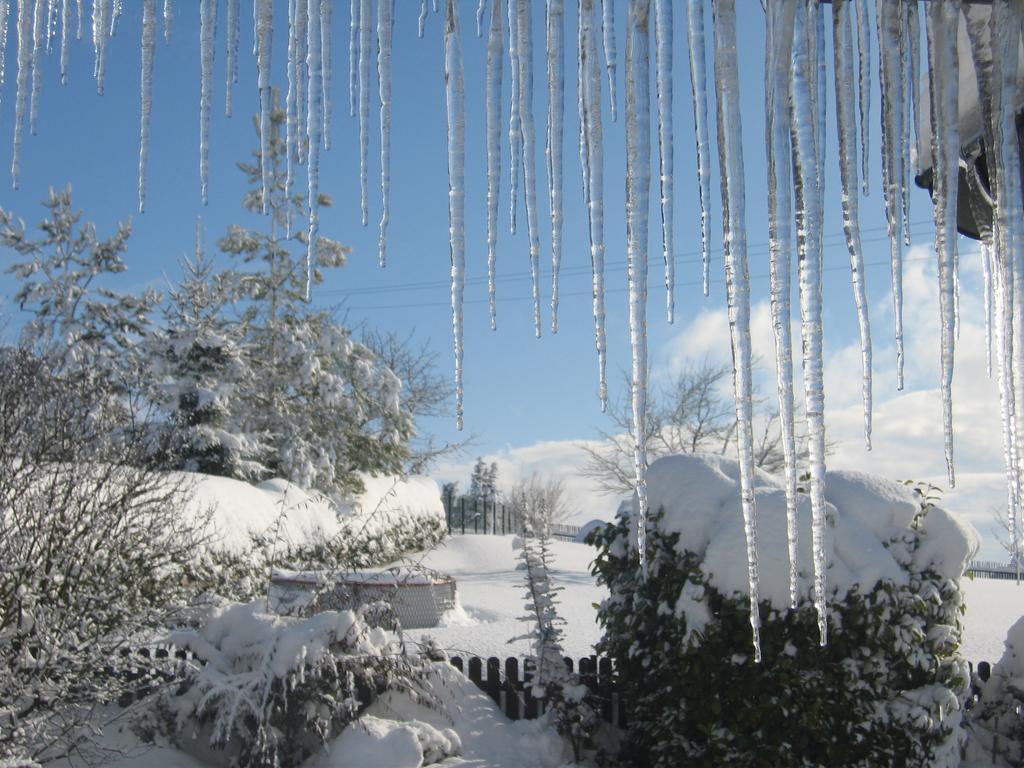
(373, 742)
(699, 496)
(241, 510)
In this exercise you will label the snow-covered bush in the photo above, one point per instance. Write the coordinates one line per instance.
(92, 548)
(997, 718)
(268, 690)
(888, 687)
(278, 525)
(567, 699)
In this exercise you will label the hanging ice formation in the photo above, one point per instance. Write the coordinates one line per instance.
(455, 98)
(638, 181)
(385, 25)
(556, 117)
(795, 74)
(698, 87)
(495, 57)
(737, 280)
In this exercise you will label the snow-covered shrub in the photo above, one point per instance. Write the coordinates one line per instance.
(888, 687)
(268, 690)
(997, 718)
(92, 548)
(567, 699)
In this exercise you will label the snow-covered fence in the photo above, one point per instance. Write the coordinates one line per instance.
(513, 692)
(991, 570)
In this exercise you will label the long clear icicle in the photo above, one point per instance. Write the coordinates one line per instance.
(495, 61)
(264, 30)
(809, 220)
(422, 21)
(846, 130)
(207, 28)
(778, 52)
(663, 67)
(608, 35)
(592, 165)
(5, 12)
(515, 136)
(168, 19)
(986, 266)
(888, 15)
(737, 278)
(65, 31)
(24, 65)
(100, 35)
(290, 108)
(232, 57)
(909, 55)
(38, 41)
(146, 98)
(365, 51)
(353, 53)
(864, 87)
(553, 149)
(326, 68)
(524, 32)
(455, 98)
(480, 10)
(301, 78)
(385, 27)
(314, 137)
(638, 182)
(699, 90)
(943, 84)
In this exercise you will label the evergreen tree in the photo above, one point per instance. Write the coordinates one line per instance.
(322, 403)
(478, 480)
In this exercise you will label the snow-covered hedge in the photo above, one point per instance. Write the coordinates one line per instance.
(278, 524)
(267, 690)
(888, 687)
(997, 719)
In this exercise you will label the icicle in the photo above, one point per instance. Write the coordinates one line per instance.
(264, 31)
(556, 117)
(864, 86)
(423, 18)
(943, 85)
(913, 72)
(592, 164)
(456, 103)
(168, 19)
(986, 266)
(65, 24)
(290, 109)
(326, 69)
(982, 212)
(100, 9)
(495, 56)
(480, 18)
(608, 33)
(778, 52)
(148, 49)
(730, 153)
(891, 83)
(515, 136)
(365, 51)
(5, 12)
(663, 66)
(638, 182)
(232, 55)
(846, 130)
(524, 32)
(314, 139)
(908, 49)
(24, 68)
(809, 219)
(115, 14)
(51, 24)
(353, 52)
(207, 29)
(436, 8)
(38, 42)
(385, 26)
(698, 87)
(300, 75)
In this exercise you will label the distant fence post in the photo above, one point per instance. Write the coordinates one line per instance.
(462, 506)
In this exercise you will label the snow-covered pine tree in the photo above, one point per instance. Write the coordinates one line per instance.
(198, 363)
(326, 406)
(565, 697)
(491, 483)
(478, 480)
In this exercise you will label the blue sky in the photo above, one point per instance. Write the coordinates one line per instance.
(527, 401)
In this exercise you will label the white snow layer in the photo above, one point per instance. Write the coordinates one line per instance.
(699, 495)
(240, 509)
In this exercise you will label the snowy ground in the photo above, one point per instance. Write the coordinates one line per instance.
(993, 606)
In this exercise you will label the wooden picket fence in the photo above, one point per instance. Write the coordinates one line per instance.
(512, 691)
